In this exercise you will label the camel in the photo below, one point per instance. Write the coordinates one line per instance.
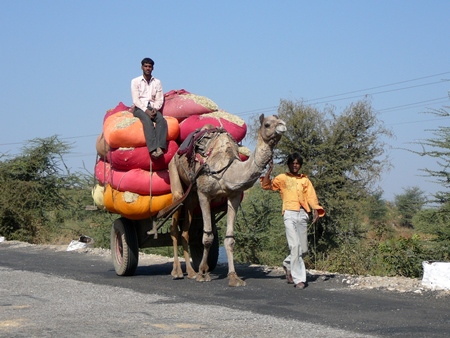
(214, 170)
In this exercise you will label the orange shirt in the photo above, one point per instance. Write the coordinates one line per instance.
(296, 192)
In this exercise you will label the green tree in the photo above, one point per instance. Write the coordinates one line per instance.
(34, 186)
(377, 208)
(436, 221)
(344, 155)
(438, 147)
(408, 204)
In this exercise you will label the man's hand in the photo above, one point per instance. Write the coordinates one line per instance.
(315, 216)
(151, 113)
(269, 169)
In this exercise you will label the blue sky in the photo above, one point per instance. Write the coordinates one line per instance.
(64, 63)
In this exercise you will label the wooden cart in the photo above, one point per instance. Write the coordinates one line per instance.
(128, 236)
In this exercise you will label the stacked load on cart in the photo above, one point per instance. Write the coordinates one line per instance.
(130, 182)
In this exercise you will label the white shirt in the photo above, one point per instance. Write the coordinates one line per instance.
(144, 93)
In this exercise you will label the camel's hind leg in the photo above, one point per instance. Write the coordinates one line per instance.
(190, 204)
(177, 193)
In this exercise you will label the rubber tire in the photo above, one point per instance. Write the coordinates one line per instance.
(124, 247)
(196, 249)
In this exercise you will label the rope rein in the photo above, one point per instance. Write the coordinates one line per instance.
(151, 184)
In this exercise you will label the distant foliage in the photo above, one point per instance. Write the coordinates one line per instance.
(31, 187)
(438, 147)
(408, 204)
(40, 199)
(377, 209)
(436, 221)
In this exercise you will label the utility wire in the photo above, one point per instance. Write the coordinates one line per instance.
(358, 91)
(420, 121)
(381, 92)
(412, 105)
(382, 86)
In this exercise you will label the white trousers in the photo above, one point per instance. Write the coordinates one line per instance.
(296, 225)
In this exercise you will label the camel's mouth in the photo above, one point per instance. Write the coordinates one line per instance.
(281, 128)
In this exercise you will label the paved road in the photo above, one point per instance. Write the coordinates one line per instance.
(44, 293)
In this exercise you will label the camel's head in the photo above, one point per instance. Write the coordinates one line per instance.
(272, 128)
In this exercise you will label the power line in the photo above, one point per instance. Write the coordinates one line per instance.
(62, 138)
(412, 105)
(357, 91)
(383, 92)
(83, 136)
(410, 122)
(382, 86)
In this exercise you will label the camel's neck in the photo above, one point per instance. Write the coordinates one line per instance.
(261, 156)
(249, 171)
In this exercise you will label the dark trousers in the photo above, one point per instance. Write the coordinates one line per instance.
(155, 134)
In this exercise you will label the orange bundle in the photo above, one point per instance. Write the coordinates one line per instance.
(122, 129)
(132, 205)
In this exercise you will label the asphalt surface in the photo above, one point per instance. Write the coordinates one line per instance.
(47, 293)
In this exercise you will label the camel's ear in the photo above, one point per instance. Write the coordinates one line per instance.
(261, 118)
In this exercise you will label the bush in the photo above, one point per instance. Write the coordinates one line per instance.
(259, 229)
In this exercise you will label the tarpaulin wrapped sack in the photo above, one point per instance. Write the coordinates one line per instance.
(244, 153)
(233, 124)
(139, 158)
(132, 205)
(173, 128)
(108, 201)
(97, 196)
(122, 129)
(142, 182)
(139, 181)
(102, 172)
(102, 147)
(118, 108)
(182, 104)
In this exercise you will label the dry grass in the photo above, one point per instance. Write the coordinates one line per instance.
(201, 100)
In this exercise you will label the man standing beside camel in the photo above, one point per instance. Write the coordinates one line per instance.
(299, 197)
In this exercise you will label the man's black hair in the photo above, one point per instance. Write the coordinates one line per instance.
(147, 60)
(295, 156)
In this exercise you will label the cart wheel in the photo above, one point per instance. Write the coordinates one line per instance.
(124, 247)
(196, 250)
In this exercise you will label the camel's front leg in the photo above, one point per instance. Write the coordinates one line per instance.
(233, 204)
(177, 272)
(207, 239)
